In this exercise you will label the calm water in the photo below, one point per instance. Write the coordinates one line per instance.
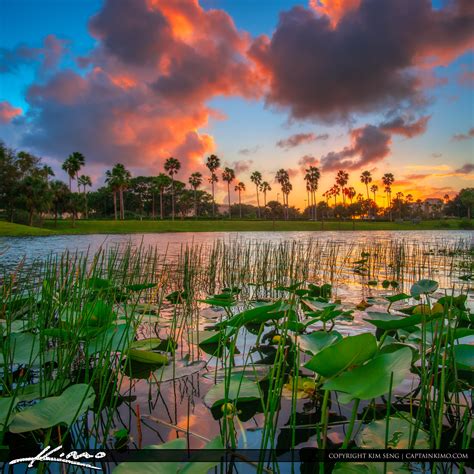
(14, 249)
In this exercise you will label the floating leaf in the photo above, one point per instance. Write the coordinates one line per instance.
(148, 467)
(148, 357)
(174, 372)
(400, 433)
(370, 468)
(235, 388)
(254, 372)
(43, 389)
(258, 315)
(348, 352)
(201, 467)
(318, 340)
(395, 298)
(23, 348)
(114, 339)
(387, 321)
(51, 411)
(423, 287)
(464, 356)
(373, 379)
(7, 404)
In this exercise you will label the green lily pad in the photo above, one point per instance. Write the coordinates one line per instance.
(399, 435)
(387, 321)
(373, 379)
(167, 373)
(114, 339)
(318, 340)
(255, 372)
(257, 315)
(464, 356)
(51, 411)
(146, 344)
(370, 468)
(153, 467)
(23, 348)
(348, 352)
(423, 287)
(7, 404)
(236, 388)
(39, 390)
(200, 467)
(148, 357)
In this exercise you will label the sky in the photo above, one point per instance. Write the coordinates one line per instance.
(378, 85)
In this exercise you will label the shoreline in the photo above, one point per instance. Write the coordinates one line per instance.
(85, 227)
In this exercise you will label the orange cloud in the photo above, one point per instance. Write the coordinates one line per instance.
(334, 9)
(8, 112)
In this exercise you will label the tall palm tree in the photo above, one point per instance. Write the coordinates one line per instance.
(195, 180)
(239, 188)
(84, 181)
(373, 189)
(264, 188)
(172, 166)
(118, 179)
(312, 177)
(47, 171)
(366, 178)
(283, 178)
(112, 181)
(350, 193)
(212, 163)
(388, 180)
(256, 178)
(342, 178)
(161, 182)
(228, 175)
(335, 191)
(73, 164)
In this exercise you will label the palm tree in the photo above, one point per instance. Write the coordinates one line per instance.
(388, 180)
(373, 189)
(161, 182)
(60, 195)
(112, 182)
(228, 175)
(350, 193)
(264, 188)
(118, 179)
(283, 178)
(195, 180)
(335, 191)
(256, 178)
(342, 178)
(73, 164)
(312, 180)
(172, 166)
(47, 171)
(84, 181)
(239, 188)
(366, 178)
(212, 163)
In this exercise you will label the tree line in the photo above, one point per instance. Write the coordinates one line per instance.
(28, 192)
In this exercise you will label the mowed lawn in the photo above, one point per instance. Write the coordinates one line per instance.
(148, 226)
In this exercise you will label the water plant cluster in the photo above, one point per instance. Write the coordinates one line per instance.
(241, 345)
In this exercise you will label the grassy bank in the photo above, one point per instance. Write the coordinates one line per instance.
(136, 226)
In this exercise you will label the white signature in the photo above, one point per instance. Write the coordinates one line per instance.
(71, 458)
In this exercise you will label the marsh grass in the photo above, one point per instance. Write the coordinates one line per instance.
(75, 318)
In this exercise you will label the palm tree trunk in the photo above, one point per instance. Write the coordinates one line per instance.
(195, 204)
(367, 187)
(153, 206)
(122, 208)
(240, 205)
(213, 201)
(70, 184)
(315, 207)
(228, 195)
(258, 203)
(161, 204)
(172, 197)
(115, 205)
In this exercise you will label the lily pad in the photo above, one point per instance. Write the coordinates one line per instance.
(423, 287)
(373, 379)
(148, 357)
(318, 340)
(370, 468)
(51, 411)
(257, 315)
(464, 356)
(236, 388)
(387, 321)
(348, 352)
(7, 404)
(114, 339)
(255, 372)
(400, 433)
(23, 348)
(167, 373)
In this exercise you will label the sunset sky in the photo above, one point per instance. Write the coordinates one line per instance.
(383, 85)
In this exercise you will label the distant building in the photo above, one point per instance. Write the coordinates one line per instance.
(432, 206)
